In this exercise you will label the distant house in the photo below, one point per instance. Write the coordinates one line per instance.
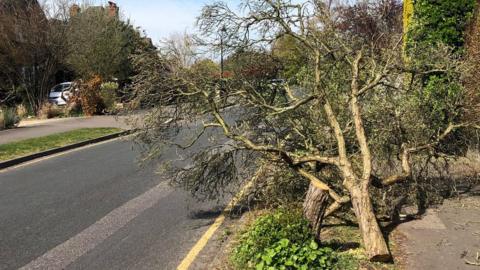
(112, 9)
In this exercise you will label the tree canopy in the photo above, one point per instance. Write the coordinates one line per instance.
(100, 44)
(31, 52)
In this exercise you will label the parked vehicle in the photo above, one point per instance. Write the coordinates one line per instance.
(60, 93)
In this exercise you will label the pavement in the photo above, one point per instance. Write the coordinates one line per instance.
(95, 208)
(37, 128)
(445, 238)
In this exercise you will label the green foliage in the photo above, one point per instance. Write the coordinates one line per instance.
(287, 255)
(440, 21)
(108, 95)
(8, 117)
(439, 25)
(346, 262)
(100, 45)
(440, 98)
(109, 86)
(292, 56)
(280, 240)
(206, 67)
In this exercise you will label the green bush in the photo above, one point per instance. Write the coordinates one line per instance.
(108, 95)
(441, 97)
(8, 118)
(280, 240)
(440, 21)
(440, 26)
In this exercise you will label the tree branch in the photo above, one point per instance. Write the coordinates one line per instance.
(407, 151)
(357, 117)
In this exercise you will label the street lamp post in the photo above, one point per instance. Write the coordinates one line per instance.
(223, 31)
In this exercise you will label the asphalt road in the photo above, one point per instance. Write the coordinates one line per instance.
(95, 208)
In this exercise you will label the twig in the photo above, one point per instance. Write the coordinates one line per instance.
(477, 260)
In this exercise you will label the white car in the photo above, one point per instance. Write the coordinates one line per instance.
(60, 93)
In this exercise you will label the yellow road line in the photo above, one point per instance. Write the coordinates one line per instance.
(192, 255)
(202, 242)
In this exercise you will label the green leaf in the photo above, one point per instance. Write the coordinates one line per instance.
(284, 242)
(267, 259)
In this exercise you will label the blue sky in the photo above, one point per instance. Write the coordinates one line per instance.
(160, 18)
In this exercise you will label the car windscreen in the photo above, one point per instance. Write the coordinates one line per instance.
(61, 87)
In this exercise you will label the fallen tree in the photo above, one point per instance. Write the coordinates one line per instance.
(356, 106)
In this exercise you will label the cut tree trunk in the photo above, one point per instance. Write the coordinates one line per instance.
(375, 245)
(314, 208)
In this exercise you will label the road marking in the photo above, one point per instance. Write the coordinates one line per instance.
(58, 154)
(202, 242)
(72, 249)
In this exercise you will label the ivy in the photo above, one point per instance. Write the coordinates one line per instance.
(407, 18)
(434, 25)
(440, 21)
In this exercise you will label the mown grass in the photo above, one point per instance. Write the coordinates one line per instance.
(35, 145)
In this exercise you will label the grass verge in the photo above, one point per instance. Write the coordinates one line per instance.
(30, 146)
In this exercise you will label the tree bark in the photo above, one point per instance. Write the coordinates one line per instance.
(314, 208)
(372, 236)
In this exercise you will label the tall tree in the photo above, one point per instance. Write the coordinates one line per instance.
(32, 48)
(100, 44)
(290, 52)
(181, 48)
